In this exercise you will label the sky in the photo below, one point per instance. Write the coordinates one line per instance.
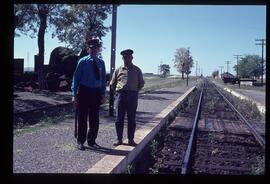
(213, 33)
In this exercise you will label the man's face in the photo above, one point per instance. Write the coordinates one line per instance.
(127, 59)
(93, 50)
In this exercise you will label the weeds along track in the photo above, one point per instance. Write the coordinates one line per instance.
(209, 137)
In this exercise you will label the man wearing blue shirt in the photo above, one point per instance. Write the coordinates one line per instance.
(88, 92)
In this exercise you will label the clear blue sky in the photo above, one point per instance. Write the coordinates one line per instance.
(213, 33)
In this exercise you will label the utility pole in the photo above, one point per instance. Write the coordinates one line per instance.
(187, 67)
(237, 70)
(221, 67)
(159, 67)
(227, 62)
(262, 43)
(196, 69)
(114, 17)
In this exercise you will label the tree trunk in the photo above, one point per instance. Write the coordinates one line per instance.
(41, 34)
(182, 75)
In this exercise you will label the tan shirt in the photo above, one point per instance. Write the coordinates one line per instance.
(127, 79)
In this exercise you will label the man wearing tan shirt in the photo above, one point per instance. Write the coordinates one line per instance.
(127, 81)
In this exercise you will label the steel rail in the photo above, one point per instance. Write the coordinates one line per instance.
(255, 133)
(188, 154)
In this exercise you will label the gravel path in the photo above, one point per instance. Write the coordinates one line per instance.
(53, 149)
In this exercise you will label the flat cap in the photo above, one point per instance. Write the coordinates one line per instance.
(126, 52)
(93, 43)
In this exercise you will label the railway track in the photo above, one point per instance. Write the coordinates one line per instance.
(213, 137)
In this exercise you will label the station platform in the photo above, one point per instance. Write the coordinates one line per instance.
(52, 149)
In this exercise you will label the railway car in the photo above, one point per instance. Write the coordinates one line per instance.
(229, 78)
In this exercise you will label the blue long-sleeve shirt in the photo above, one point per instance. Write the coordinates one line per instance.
(84, 74)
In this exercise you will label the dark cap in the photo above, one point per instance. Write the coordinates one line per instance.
(93, 43)
(126, 52)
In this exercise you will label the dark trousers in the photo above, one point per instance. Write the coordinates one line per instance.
(126, 102)
(89, 102)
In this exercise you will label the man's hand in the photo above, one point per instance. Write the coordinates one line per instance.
(75, 100)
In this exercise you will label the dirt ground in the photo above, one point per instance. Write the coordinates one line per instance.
(25, 101)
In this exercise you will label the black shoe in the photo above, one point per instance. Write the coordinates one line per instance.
(94, 144)
(118, 142)
(80, 147)
(132, 143)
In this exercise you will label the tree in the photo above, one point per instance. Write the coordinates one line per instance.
(215, 74)
(29, 17)
(164, 70)
(73, 24)
(80, 23)
(183, 61)
(23, 18)
(249, 66)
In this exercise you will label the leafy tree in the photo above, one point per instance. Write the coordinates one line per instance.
(73, 24)
(35, 18)
(164, 70)
(23, 16)
(249, 66)
(80, 23)
(183, 61)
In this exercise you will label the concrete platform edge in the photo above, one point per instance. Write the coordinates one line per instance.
(118, 163)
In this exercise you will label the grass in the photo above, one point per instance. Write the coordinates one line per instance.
(163, 83)
(65, 147)
(49, 122)
(154, 148)
(249, 110)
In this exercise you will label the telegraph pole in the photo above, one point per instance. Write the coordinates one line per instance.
(237, 70)
(187, 67)
(221, 67)
(227, 62)
(196, 69)
(262, 43)
(114, 17)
